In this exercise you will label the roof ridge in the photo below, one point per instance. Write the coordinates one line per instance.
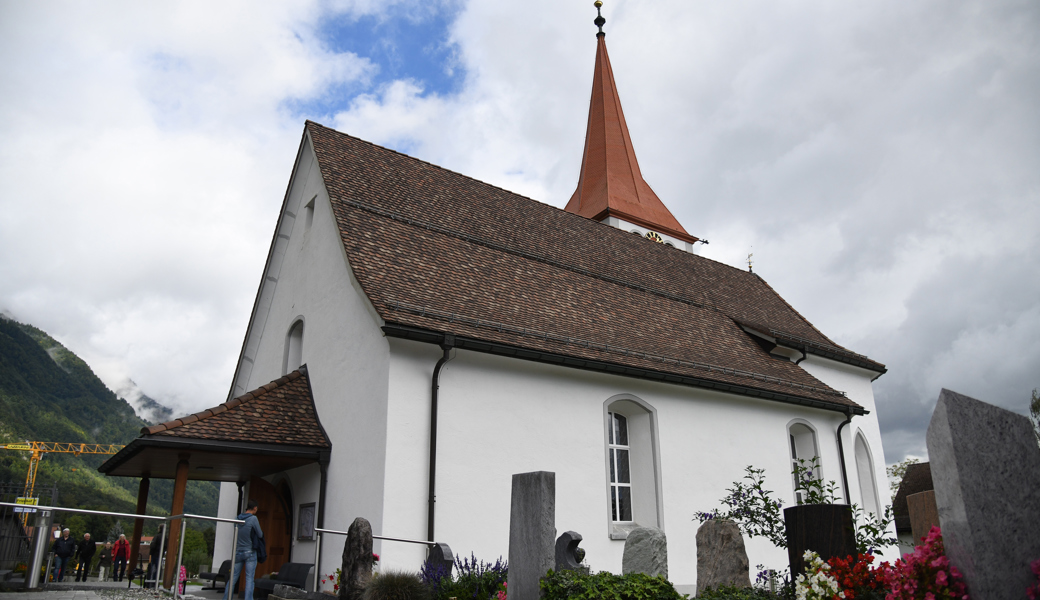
(689, 255)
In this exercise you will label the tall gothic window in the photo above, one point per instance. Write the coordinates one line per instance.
(293, 348)
(865, 471)
(804, 449)
(620, 474)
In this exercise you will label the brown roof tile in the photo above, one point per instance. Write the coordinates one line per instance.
(280, 412)
(437, 250)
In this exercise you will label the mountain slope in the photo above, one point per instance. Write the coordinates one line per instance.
(47, 393)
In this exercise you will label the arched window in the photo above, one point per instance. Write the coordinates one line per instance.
(803, 448)
(293, 348)
(865, 471)
(632, 465)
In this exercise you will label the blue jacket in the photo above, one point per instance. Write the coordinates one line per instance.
(245, 538)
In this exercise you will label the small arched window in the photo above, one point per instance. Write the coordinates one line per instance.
(865, 471)
(632, 465)
(804, 450)
(293, 348)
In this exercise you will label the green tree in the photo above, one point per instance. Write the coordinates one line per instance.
(896, 473)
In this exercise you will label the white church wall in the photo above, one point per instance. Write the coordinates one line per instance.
(346, 353)
(500, 416)
(223, 536)
(857, 385)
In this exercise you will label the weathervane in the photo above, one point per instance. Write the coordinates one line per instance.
(599, 17)
(750, 254)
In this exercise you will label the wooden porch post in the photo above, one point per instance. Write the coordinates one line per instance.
(173, 532)
(135, 538)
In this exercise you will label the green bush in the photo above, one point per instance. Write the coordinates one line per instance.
(572, 585)
(195, 561)
(735, 593)
(396, 585)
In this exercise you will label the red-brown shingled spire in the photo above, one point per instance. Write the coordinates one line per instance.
(610, 183)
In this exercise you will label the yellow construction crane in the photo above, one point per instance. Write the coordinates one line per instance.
(38, 449)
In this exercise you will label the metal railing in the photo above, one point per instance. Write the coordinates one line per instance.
(317, 546)
(32, 578)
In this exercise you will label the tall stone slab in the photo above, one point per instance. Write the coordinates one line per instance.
(986, 470)
(721, 557)
(357, 560)
(646, 551)
(532, 533)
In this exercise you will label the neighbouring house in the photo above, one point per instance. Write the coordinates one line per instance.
(916, 479)
(419, 336)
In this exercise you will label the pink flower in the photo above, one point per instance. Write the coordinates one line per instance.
(940, 579)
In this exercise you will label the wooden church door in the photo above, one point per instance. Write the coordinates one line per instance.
(275, 522)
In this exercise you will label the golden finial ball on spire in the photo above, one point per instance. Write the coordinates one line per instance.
(599, 17)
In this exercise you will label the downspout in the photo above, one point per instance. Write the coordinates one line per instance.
(323, 464)
(841, 459)
(446, 346)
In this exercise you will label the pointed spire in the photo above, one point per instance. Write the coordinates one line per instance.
(610, 183)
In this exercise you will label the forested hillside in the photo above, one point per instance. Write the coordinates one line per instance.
(49, 394)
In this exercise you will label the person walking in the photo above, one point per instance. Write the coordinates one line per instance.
(85, 554)
(64, 548)
(105, 562)
(120, 554)
(245, 555)
(155, 551)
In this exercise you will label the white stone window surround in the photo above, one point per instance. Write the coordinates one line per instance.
(644, 463)
(803, 443)
(293, 356)
(866, 474)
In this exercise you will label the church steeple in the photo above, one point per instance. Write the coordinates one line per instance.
(610, 186)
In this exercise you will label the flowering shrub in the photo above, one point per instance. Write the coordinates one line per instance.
(333, 578)
(816, 583)
(754, 510)
(1033, 591)
(926, 573)
(472, 579)
(857, 579)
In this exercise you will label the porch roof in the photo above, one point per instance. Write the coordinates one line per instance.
(270, 429)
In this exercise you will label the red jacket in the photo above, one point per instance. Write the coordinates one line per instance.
(121, 549)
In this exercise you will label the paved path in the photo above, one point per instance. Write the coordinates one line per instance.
(89, 591)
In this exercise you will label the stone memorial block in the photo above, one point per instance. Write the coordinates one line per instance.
(441, 556)
(646, 551)
(923, 514)
(357, 560)
(986, 471)
(567, 558)
(288, 592)
(721, 557)
(826, 529)
(532, 533)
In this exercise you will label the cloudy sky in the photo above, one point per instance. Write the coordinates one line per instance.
(881, 160)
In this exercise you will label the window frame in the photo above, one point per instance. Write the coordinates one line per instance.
(647, 500)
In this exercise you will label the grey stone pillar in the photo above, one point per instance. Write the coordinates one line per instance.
(532, 533)
(986, 470)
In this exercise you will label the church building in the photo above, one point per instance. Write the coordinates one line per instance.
(419, 336)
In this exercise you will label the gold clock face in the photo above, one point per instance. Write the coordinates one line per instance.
(650, 235)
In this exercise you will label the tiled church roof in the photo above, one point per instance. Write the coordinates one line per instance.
(436, 250)
(281, 412)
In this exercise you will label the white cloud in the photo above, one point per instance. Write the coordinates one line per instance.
(878, 159)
